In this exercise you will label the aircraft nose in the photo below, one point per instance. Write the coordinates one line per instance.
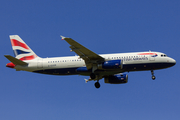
(172, 61)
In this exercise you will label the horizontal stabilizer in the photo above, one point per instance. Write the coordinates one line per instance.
(15, 60)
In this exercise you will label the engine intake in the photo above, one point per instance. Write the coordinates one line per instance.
(116, 79)
(112, 64)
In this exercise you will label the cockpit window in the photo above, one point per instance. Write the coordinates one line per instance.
(163, 55)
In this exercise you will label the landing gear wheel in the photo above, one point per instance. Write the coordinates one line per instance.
(153, 77)
(93, 76)
(97, 85)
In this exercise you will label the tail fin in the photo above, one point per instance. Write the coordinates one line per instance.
(21, 50)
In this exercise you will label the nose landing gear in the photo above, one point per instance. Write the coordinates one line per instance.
(153, 77)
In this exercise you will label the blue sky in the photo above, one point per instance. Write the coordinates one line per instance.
(103, 26)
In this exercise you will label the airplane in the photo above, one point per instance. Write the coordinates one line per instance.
(111, 67)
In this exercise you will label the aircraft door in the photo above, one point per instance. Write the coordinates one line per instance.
(151, 56)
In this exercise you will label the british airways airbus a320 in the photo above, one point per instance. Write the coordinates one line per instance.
(111, 67)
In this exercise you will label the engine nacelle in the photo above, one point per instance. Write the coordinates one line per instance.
(116, 79)
(112, 64)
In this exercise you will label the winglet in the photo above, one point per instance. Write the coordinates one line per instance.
(62, 37)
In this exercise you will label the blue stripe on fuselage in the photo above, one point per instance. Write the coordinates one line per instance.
(126, 68)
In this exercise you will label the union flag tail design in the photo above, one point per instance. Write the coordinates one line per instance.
(21, 50)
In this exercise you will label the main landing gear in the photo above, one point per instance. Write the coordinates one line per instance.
(153, 77)
(94, 76)
(97, 85)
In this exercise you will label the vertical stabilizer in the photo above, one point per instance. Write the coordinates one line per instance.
(21, 50)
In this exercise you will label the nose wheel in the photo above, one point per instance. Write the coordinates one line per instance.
(153, 77)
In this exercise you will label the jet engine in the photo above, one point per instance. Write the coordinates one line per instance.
(116, 79)
(112, 64)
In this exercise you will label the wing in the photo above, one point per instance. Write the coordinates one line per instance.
(87, 55)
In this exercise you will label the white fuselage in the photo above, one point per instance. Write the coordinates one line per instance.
(136, 61)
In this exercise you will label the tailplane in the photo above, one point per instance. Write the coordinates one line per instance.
(21, 50)
(15, 61)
